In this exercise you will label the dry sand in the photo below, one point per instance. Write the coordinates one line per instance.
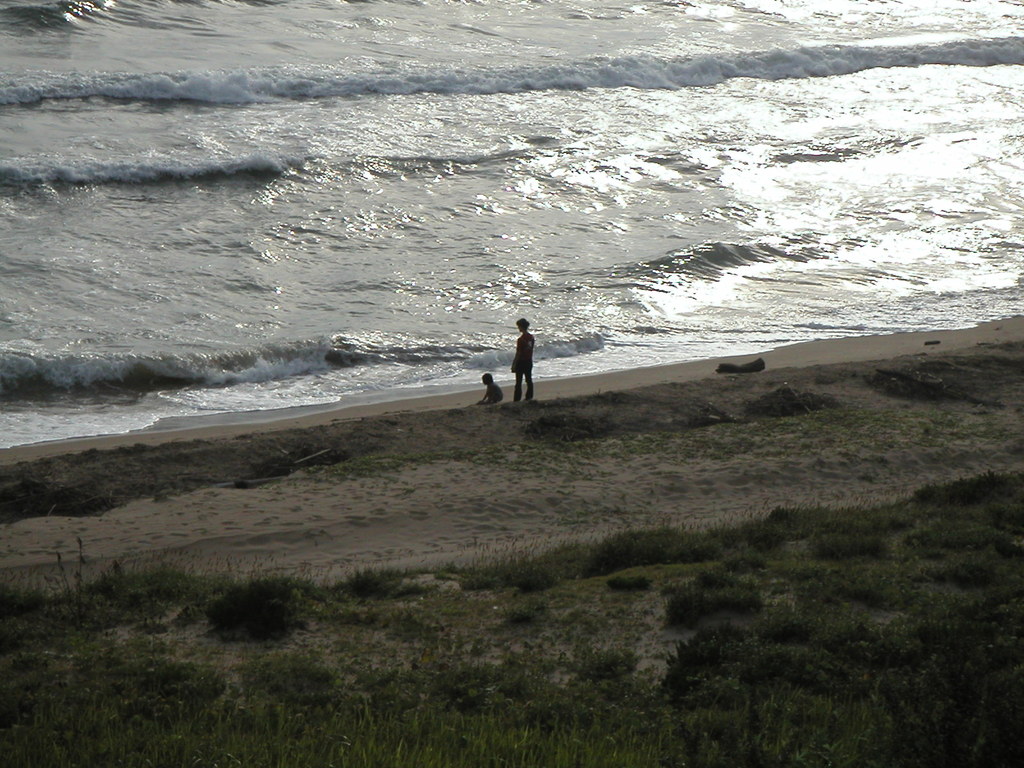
(494, 479)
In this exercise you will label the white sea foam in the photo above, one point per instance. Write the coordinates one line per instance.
(242, 87)
(571, 348)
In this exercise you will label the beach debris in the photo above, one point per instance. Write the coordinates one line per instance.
(249, 482)
(275, 468)
(706, 415)
(334, 459)
(752, 367)
(786, 401)
(918, 385)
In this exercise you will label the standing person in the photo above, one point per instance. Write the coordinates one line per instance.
(522, 365)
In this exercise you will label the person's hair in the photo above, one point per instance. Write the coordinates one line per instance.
(522, 322)
(488, 378)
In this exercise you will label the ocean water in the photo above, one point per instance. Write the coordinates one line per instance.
(200, 199)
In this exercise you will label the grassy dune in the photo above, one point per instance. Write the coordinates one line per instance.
(886, 636)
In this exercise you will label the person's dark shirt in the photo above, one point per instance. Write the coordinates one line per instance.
(524, 350)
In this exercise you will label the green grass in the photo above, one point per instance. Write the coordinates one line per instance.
(886, 637)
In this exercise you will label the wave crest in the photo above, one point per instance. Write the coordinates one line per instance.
(25, 377)
(243, 87)
(708, 261)
(47, 15)
(549, 349)
(147, 171)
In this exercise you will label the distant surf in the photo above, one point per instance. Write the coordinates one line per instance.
(242, 87)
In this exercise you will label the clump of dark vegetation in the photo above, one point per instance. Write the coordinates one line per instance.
(262, 608)
(526, 611)
(649, 547)
(985, 487)
(629, 583)
(525, 573)
(889, 636)
(41, 496)
(711, 592)
(16, 602)
(294, 679)
(918, 384)
(846, 546)
(785, 401)
(764, 534)
(605, 664)
(374, 583)
(567, 427)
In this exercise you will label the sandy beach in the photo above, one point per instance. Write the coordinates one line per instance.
(423, 481)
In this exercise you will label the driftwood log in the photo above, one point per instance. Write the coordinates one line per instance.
(752, 367)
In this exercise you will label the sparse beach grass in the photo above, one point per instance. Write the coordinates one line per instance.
(857, 431)
(879, 636)
(853, 432)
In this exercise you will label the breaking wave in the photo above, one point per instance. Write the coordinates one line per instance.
(244, 87)
(709, 261)
(48, 15)
(147, 171)
(549, 349)
(26, 377)
(151, 171)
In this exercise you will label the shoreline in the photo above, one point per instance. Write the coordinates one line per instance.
(850, 349)
(438, 480)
